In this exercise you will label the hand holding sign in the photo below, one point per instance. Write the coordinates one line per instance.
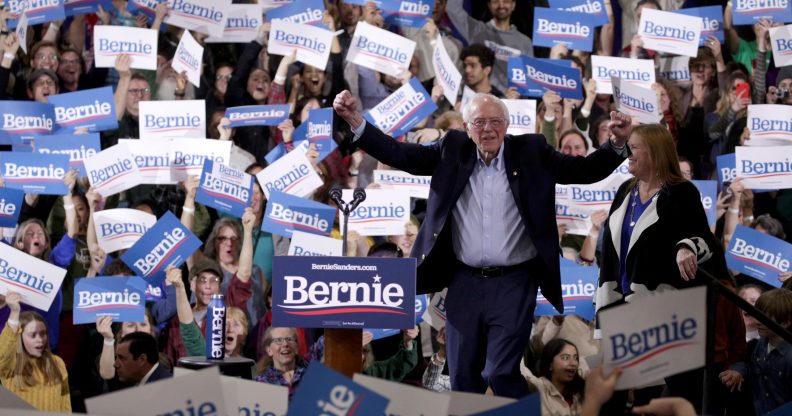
(13, 300)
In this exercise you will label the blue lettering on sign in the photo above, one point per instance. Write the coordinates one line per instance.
(203, 409)
(111, 171)
(121, 229)
(254, 411)
(313, 45)
(24, 280)
(629, 349)
(662, 32)
(380, 51)
(289, 179)
(114, 47)
(171, 123)
(198, 12)
(637, 104)
(765, 169)
(373, 213)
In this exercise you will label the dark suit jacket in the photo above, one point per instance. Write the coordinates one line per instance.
(533, 168)
(160, 373)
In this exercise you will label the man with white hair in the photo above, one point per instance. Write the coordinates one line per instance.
(490, 233)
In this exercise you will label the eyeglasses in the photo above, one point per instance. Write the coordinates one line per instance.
(42, 57)
(139, 91)
(212, 279)
(495, 123)
(42, 82)
(283, 340)
(223, 77)
(223, 239)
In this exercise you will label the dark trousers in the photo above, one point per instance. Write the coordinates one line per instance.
(489, 324)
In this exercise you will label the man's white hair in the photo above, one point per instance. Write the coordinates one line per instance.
(474, 103)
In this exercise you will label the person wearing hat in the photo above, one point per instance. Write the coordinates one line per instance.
(42, 83)
(205, 278)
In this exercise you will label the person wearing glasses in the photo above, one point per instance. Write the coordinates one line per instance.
(282, 365)
(489, 234)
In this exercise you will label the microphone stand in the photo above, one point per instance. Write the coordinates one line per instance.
(347, 208)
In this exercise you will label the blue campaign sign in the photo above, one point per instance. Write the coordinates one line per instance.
(421, 303)
(594, 8)
(286, 213)
(154, 293)
(748, 12)
(10, 206)
(532, 77)
(343, 292)
(38, 12)
(758, 255)
(258, 115)
(120, 297)
(564, 62)
(167, 243)
(381, 333)
(785, 410)
(24, 119)
(276, 153)
(709, 195)
(92, 109)
(402, 110)
(727, 169)
(531, 405)
(35, 173)
(77, 146)
(318, 130)
(551, 27)
(75, 7)
(307, 12)
(147, 7)
(326, 392)
(578, 284)
(407, 13)
(712, 16)
(224, 188)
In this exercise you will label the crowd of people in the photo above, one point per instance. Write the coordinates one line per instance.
(487, 231)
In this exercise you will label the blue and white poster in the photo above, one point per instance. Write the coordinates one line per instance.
(25, 119)
(578, 284)
(224, 188)
(324, 391)
(343, 292)
(709, 195)
(308, 12)
(402, 110)
(286, 213)
(37, 11)
(10, 206)
(146, 7)
(407, 13)
(712, 16)
(727, 169)
(531, 405)
(317, 130)
(78, 147)
(167, 243)
(573, 29)
(35, 173)
(748, 12)
(421, 304)
(257, 115)
(121, 297)
(758, 255)
(594, 8)
(279, 151)
(75, 7)
(533, 78)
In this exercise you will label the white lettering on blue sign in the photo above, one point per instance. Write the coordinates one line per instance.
(750, 252)
(154, 257)
(228, 189)
(69, 115)
(74, 154)
(745, 6)
(100, 299)
(282, 214)
(549, 79)
(16, 123)
(43, 172)
(341, 400)
(576, 30)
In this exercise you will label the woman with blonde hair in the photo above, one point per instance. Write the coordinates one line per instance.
(28, 368)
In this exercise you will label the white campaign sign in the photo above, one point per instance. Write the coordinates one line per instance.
(112, 170)
(633, 71)
(36, 281)
(384, 212)
(241, 26)
(188, 155)
(247, 397)
(406, 399)
(380, 50)
(139, 44)
(636, 101)
(765, 167)
(311, 43)
(435, 313)
(576, 223)
(204, 16)
(152, 160)
(781, 42)
(120, 228)
(22, 31)
(291, 174)
(649, 340)
(446, 73)
(769, 125)
(189, 58)
(588, 199)
(201, 393)
(675, 69)
(673, 33)
(415, 186)
(522, 116)
(309, 244)
(166, 119)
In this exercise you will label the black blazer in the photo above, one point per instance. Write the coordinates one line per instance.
(160, 373)
(533, 168)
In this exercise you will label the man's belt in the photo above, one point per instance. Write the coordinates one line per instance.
(495, 271)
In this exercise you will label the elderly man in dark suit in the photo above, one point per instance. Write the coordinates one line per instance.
(490, 232)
